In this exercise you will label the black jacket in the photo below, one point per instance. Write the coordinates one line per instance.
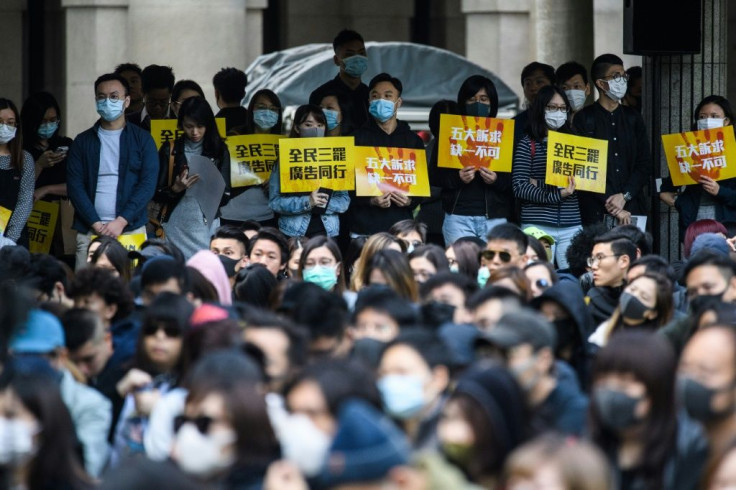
(363, 218)
(356, 102)
(629, 158)
(602, 300)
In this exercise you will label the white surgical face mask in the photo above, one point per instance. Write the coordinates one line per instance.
(16, 442)
(304, 444)
(617, 89)
(577, 99)
(203, 455)
(710, 123)
(555, 119)
(7, 133)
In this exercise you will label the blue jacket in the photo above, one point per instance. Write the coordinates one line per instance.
(137, 176)
(295, 212)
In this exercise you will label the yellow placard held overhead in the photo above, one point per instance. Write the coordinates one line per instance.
(41, 226)
(252, 158)
(379, 170)
(583, 159)
(131, 241)
(165, 130)
(710, 153)
(469, 141)
(306, 164)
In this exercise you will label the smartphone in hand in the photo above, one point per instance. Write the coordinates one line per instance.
(323, 209)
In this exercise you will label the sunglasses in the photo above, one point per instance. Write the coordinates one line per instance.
(491, 254)
(542, 283)
(169, 330)
(202, 423)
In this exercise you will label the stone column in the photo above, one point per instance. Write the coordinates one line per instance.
(562, 30)
(96, 40)
(673, 86)
(11, 51)
(254, 29)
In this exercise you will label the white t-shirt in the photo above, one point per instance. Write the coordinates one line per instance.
(107, 176)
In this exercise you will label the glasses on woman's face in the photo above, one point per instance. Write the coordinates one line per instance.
(489, 255)
(555, 108)
(169, 330)
(202, 423)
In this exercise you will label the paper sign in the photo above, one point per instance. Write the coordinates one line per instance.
(5, 214)
(252, 158)
(584, 159)
(690, 155)
(306, 164)
(131, 241)
(209, 188)
(165, 130)
(379, 170)
(41, 225)
(469, 141)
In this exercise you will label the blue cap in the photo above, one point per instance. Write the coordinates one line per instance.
(41, 333)
(710, 241)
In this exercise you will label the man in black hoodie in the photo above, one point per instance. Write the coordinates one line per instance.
(612, 255)
(369, 215)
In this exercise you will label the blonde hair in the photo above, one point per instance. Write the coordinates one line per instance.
(580, 464)
(379, 241)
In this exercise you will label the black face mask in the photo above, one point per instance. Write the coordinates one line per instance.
(566, 333)
(697, 399)
(229, 264)
(632, 307)
(435, 314)
(700, 303)
(616, 409)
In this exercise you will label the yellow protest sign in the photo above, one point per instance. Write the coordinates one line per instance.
(379, 170)
(5, 214)
(306, 164)
(165, 130)
(252, 158)
(131, 241)
(584, 159)
(41, 226)
(710, 153)
(469, 141)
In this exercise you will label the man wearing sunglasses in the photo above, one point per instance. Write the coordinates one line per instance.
(612, 254)
(629, 158)
(506, 247)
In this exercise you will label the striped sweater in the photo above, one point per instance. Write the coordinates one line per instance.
(541, 204)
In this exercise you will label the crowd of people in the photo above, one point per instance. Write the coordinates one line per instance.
(503, 333)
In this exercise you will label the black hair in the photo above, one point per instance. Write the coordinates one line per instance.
(581, 246)
(346, 108)
(510, 232)
(547, 70)
(167, 310)
(330, 244)
(46, 271)
(620, 244)
(323, 313)
(157, 76)
(301, 115)
(298, 336)
(601, 65)
(198, 110)
(536, 245)
(724, 264)
(112, 77)
(93, 280)
(642, 240)
(427, 344)
(385, 77)
(183, 85)
(128, 67)
(159, 270)
(492, 292)
(434, 254)
(537, 126)
(568, 70)
(656, 263)
(720, 101)
(250, 224)
(167, 247)
(81, 326)
(232, 232)
(273, 235)
(146, 474)
(466, 257)
(345, 36)
(471, 86)
(254, 286)
(230, 83)
(462, 282)
(634, 73)
(339, 381)
(16, 144)
(444, 106)
(31, 114)
(115, 253)
(355, 247)
(271, 96)
(407, 226)
(383, 299)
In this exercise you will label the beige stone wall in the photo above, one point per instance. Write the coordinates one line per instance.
(11, 50)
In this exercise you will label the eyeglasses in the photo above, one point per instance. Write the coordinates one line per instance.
(617, 76)
(592, 261)
(202, 423)
(169, 330)
(491, 254)
(555, 108)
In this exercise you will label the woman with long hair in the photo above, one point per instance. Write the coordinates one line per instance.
(374, 243)
(391, 268)
(181, 215)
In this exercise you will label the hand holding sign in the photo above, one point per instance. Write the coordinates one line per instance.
(567, 191)
(400, 199)
(709, 185)
(488, 176)
(467, 174)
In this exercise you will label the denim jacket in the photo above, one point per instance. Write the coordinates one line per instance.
(295, 212)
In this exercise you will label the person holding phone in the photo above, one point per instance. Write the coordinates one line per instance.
(310, 214)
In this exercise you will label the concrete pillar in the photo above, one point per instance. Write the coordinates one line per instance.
(562, 30)
(673, 86)
(11, 51)
(254, 29)
(96, 40)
